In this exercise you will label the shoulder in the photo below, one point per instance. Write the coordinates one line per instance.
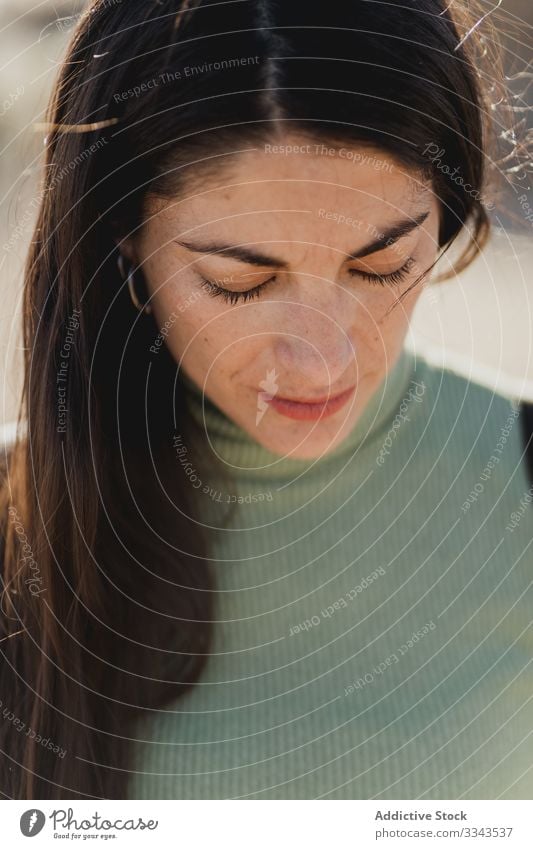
(467, 398)
(8, 433)
(8, 436)
(474, 416)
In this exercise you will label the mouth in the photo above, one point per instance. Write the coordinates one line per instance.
(309, 410)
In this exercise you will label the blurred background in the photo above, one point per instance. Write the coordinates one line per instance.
(480, 323)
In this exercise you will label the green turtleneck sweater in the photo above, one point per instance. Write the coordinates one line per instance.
(374, 607)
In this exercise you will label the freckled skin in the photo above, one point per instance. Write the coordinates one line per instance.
(317, 328)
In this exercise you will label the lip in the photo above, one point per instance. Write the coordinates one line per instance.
(309, 410)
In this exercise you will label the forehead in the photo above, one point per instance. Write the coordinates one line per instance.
(296, 189)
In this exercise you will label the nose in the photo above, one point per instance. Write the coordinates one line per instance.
(316, 353)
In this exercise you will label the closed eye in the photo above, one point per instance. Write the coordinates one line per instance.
(392, 278)
(233, 297)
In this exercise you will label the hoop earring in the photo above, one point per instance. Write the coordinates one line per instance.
(129, 277)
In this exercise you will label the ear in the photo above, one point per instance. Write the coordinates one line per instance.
(124, 244)
(126, 248)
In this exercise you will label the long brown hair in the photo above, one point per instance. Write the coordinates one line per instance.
(108, 591)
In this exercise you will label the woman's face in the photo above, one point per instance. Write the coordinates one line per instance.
(311, 222)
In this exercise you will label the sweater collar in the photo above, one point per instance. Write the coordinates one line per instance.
(245, 457)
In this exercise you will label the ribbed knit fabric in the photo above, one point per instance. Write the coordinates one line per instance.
(373, 607)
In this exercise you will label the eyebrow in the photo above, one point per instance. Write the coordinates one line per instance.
(391, 235)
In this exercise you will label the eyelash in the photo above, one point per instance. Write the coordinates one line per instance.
(393, 278)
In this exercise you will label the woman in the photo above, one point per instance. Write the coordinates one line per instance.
(253, 547)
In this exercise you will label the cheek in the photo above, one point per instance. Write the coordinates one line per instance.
(202, 340)
(175, 300)
(199, 331)
(382, 328)
(386, 311)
